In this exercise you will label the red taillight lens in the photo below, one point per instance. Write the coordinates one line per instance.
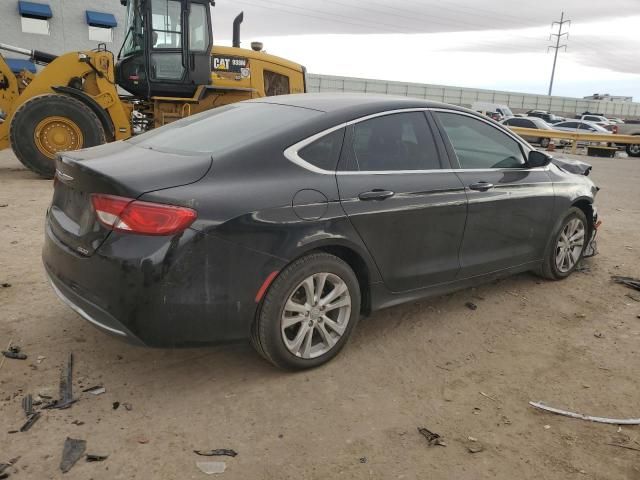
(133, 216)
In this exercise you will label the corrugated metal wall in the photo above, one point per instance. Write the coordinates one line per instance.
(518, 102)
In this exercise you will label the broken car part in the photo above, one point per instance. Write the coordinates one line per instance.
(66, 387)
(96, 458)
(628, 281)
(72, 451)
(432, 438)
(613, 421)
(14, 353)
(218, 452)
(33, 418)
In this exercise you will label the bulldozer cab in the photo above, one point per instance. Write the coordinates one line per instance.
(167, 47)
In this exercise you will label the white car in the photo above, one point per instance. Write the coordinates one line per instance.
(484, 107)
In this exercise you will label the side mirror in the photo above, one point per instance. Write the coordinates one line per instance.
(538, 159)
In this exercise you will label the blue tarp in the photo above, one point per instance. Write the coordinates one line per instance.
(18, 64)
(34, 10)
(99, 19)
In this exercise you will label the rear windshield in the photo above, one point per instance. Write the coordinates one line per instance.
(223, 128)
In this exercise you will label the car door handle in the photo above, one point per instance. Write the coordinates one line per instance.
(376, 194)
(481, 186)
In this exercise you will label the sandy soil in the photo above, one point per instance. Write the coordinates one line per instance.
(422, 364)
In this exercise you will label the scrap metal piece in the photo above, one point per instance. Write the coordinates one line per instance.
(72, 451)
(211, 467)
(33, 418)
(217, 452)
(613, 421)
(97, 390)
(628, 281)
(432, 437)
(91, 457)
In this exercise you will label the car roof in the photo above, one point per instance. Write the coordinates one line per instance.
(337, 102)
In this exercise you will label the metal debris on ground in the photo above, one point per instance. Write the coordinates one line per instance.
(628, 281)
(72, 451)
(97, 390)
(613, 421)
(96, 458)
(31, 419)
(471, 306)
(217, 452)
(432, 437)
(13, 351)
(211, 467)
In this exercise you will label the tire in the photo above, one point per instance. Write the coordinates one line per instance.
(277, 344)
(544, 142)
(633, 150)
(550, 268)
(37, 121)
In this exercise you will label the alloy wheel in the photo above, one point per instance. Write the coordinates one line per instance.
(570, 245)
(316, 315)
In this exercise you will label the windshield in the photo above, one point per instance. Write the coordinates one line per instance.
(133, 41)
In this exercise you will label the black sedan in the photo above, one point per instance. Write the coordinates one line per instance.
(283, 220)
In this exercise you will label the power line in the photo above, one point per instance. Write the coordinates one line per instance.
(557, 46)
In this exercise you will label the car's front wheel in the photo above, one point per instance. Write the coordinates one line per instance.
(308, 312)
(566, 246)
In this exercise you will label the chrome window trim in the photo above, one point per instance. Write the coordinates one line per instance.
(292, 153)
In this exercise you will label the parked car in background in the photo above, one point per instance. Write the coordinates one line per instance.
(546, 116)
(602, 121)
(580, 125)
(530, 122)
(282, 219)
(616, 120)
(630, 129)
(502, 109)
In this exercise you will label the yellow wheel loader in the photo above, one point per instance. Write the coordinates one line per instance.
(166, 69)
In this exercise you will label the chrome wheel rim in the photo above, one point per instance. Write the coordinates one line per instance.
(315, 315)
(634, 148)
(570, 245)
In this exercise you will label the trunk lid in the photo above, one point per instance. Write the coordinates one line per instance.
(117, 169)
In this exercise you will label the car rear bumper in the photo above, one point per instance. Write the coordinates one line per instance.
(189, 290)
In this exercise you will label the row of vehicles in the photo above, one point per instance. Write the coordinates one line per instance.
(588, 122)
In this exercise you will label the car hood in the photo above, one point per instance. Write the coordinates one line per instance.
(572, 166)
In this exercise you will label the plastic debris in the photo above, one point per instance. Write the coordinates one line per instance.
(33, 418)
(475, 447)
(27, 405)
(14, 352)
(72, 451)
(432, 438)
(628, 281)
(471, 306)
(613, 421)
(218, 452)
(97, 390)
(91, 457)
(211, 467)
(66, 387)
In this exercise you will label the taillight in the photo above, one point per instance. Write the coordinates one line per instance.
(134, 216)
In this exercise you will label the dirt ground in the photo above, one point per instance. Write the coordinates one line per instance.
(572, 344)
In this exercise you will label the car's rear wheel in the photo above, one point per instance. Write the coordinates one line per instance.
(544, 142)
(308, 312)
(566, 246)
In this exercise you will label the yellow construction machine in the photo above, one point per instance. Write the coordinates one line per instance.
(167, 69)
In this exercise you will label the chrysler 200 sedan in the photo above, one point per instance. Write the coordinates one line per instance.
(283, 220)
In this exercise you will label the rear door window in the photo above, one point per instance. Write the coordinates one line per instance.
(479, 145)
(400, 141)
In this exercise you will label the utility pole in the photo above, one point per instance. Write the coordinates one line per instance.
(557, 46)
